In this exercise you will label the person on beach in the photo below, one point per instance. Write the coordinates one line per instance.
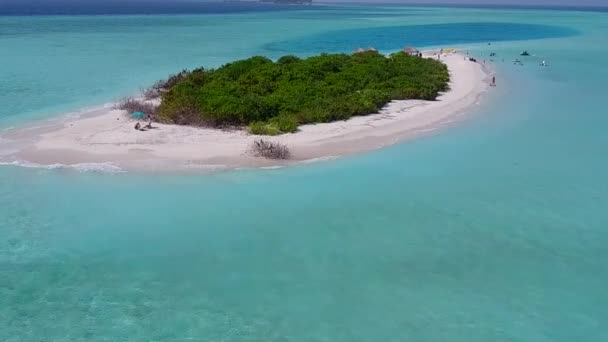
(137, 126)
(149, 125)
(493, 81)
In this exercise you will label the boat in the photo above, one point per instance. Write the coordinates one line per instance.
(525, 53)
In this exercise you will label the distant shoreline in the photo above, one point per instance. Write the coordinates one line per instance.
(106, 136)
(17, 8)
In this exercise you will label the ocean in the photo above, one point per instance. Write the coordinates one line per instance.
(494, 229)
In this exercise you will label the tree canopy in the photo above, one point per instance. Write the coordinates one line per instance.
(275, 97)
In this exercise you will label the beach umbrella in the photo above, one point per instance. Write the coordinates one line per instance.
(138, 115)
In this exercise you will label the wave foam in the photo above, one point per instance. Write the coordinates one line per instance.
(317, 160)
(81, 167)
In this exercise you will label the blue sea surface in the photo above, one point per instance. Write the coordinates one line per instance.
(133, 7)
(492, 230)
(393, 37)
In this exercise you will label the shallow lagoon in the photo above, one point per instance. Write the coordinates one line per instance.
(492, 230)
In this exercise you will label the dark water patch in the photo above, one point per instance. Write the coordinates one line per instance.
(121, 7)
(394, 37)
(336, 12)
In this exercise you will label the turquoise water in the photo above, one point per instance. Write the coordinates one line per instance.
(493, 230)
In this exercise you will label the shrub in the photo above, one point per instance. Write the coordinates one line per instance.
(132, 105)
(151, 93)
(162, 86)
(275, 97)
(285, 123)
(288, 59)
(270, 150)
(275, 126)
(263, 128)
(185, 116)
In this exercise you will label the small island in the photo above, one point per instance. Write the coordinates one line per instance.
(261, 113)
(272, 98)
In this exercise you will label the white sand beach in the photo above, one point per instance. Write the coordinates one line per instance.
(107, 136)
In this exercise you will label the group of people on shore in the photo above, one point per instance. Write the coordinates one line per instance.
(474, 60)
(139, 127)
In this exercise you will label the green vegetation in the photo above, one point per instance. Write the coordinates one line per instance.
(275, 97)
(132, 105)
